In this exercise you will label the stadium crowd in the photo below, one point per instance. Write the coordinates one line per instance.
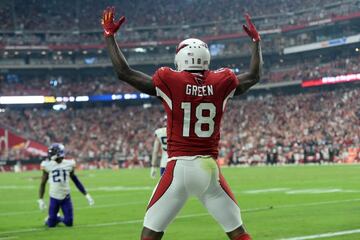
(307, 127)
(63, 85)
(59, 15)
(93, 84)
(78, 21)
(313, 69)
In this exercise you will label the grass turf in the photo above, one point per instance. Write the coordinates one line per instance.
(276, 203)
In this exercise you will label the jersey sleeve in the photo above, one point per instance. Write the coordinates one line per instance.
(162, 89)
(73, 164)
(232, 82)
(43, 166)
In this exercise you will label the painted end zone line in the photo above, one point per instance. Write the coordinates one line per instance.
(324, 235)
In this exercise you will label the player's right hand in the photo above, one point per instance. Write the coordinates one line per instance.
(153, 172)
(42, 204)
(250, 29)
(108, 23)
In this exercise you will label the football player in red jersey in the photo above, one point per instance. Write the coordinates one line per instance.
(194, 98)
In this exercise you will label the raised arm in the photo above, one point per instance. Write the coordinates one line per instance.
(137, 79)
(250, 78)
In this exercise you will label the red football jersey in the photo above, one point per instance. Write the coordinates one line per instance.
(194, 105)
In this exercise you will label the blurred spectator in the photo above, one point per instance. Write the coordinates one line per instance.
(93, 84)
(311, 127)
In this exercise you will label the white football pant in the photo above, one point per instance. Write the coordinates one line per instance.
(201, 178)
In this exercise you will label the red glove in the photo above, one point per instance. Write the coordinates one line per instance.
(109, 25)
(250, 29)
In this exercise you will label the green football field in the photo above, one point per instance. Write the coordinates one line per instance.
(296, 202)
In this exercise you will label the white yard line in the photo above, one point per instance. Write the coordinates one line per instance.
(26, 230)
(316, 203)
(324, 235)
(73, 197)
(78, 208)
(7, 238)
(185, 216)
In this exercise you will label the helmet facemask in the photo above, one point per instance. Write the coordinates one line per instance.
(56, 152)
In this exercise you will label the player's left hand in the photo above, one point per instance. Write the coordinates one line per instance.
(42, 204)
(108, 22)
(90, 199)
(250, 29)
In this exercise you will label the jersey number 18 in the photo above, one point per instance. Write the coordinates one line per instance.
(201, 119)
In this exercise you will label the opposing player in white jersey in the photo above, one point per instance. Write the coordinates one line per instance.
(194, 98)
(159, 143)
(58, 172)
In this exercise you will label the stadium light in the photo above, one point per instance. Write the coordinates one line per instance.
(49, 99)
(82, 99)
(331, 80)
(143, 95)
(116, 97)
(59, 107)
(22, 99)
(147, 105)
(64, 99)
(130, 96)
(140, 50)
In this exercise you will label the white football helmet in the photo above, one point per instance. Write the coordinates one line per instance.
(192, 54)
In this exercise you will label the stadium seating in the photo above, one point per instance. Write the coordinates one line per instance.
(71, 61)
(92, 84)
(288, 125)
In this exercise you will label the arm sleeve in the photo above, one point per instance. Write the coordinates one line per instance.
(43, 166)
(73, 164)
(76, 181)
(78, 184)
